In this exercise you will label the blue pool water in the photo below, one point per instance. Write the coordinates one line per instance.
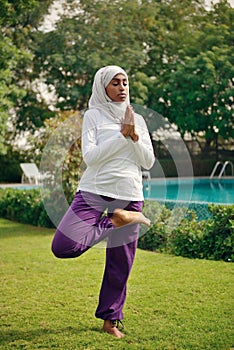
(20, 186)
(198, 190)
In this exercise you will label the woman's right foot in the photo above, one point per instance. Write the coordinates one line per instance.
(123, 217)
(110, 327)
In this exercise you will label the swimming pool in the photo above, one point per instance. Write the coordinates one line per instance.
(20, 186)
(190, 193)
(198, 190)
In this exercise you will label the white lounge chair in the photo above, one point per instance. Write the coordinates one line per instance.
(30, 173)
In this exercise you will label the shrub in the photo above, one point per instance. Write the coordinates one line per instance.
(156, 237)
(61, 136)
(210, 239)
(24, 206)
(186, 239)
(172, 231)
(218, 237)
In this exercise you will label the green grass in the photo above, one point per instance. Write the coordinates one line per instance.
(47, 303)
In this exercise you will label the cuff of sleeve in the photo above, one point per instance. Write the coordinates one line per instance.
(137, 143)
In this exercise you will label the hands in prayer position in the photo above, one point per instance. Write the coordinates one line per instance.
(128, 124)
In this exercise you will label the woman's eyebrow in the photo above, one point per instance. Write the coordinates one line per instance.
(118, 79)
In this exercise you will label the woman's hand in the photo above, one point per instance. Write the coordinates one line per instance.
(128, 125)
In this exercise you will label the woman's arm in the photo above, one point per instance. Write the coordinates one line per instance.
(91, 150)
(143, 147)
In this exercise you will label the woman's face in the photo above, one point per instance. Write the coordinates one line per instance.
(117, 89)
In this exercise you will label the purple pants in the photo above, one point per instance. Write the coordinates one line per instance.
(83, 226)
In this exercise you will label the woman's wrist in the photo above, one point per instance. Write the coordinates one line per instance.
(123, 133)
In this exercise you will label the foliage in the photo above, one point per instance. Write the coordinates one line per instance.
(171, 231)
(179, 57)
(195, 85)
(32, 112)
(209, 239)
(10, 56)
(57, 148)
(200, 93)
(22, 13)
(69, 56)
(187, 239)
(24, 206)
(219, 234)
(18, 20)
(156, 237)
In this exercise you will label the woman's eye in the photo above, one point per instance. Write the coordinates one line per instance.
(117, 83)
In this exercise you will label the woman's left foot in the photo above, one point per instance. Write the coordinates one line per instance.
(123, 217)
(109, 326)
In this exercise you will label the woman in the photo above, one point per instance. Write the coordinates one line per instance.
(109, 198)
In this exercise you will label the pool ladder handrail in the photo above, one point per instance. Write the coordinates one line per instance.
(224, 165)
(215, 168)
(146, 177)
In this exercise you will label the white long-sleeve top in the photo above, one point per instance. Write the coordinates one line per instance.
(113, 161)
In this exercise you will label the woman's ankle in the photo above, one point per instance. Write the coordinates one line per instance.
(123, 217)
(111, 327)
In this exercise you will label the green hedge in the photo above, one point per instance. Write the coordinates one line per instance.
(24, 206)
(176, 231)
(179, 232)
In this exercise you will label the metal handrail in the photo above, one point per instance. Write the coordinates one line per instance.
(146, 177)
(224, 167)
(215, 168)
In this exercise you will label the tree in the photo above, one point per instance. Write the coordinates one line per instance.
(200, 94)
(177, 54)
(60, 135)
(99, 33)
(18, 19)
(9, 92)
(194, 87)
(170, 50)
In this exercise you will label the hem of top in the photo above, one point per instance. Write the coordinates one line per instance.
(111, 195)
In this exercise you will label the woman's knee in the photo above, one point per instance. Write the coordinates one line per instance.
(57, 249)
(61, 245)
(64, 247)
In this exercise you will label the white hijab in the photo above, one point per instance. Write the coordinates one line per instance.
(100, 100)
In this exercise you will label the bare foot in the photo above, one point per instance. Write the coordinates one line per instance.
(110, 328)
(123, 217)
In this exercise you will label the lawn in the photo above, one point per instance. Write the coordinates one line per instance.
(47, 303)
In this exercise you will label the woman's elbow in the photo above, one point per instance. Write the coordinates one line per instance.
(89, 160)
(149, 163)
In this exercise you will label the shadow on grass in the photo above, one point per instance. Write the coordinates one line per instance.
(14, 337)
